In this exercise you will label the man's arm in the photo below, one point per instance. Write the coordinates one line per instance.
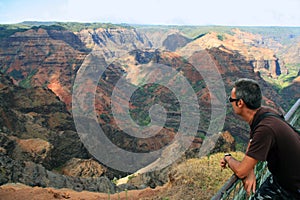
(250, 183)
(243, 168)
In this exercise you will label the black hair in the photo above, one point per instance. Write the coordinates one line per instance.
(249, 91)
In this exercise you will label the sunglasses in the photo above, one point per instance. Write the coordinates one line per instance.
(232, 100)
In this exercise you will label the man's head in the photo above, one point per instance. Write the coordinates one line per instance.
(248, 91)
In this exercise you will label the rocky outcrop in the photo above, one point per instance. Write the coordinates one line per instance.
(157, 36)
(150, 179)
(38, 124)
(39, 57)
(84, 168)
(7, 145)
(291, 53)
(34, 149)
(270, 68)
(221, 142)
(113, 43)
(34, 112)
(66, 145)
(33, 174)
(247, 45)
(41, 140)
(292, 92)
(51, 56)
(175, 41)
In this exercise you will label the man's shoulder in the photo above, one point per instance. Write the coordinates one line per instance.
(258, 115)
(265, 109)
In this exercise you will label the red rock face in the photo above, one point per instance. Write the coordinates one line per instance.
(51, 58)
(252, 47)
(34, 58)
(40, 57)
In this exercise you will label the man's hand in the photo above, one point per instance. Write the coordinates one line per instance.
(249, 182)
(223, 163)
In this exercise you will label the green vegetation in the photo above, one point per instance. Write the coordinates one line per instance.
(8, 30)
(131, 176)
(105, 117)
(240, 144)
(188, 31)
(221, 37)
(75, 26)
(281, 34)
(284, 80)
(36, 23)
(4, 68)
(52, 27)
(2, 171)
(16, 74)
(26, 82)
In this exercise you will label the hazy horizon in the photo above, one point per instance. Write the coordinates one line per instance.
(156, 12)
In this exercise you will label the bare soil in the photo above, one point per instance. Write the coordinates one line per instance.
(23, 192)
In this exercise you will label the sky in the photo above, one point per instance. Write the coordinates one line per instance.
(156, 12)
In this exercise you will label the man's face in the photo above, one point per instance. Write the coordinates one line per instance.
(234, 102)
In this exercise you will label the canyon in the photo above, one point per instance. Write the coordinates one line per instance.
(40, 66)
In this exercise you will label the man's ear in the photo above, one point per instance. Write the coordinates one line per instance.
(239, 103)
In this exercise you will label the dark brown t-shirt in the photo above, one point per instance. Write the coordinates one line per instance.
(274, 141)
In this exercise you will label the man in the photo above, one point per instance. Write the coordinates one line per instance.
(272, 140)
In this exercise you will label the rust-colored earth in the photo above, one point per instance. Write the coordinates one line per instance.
(23, 192)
